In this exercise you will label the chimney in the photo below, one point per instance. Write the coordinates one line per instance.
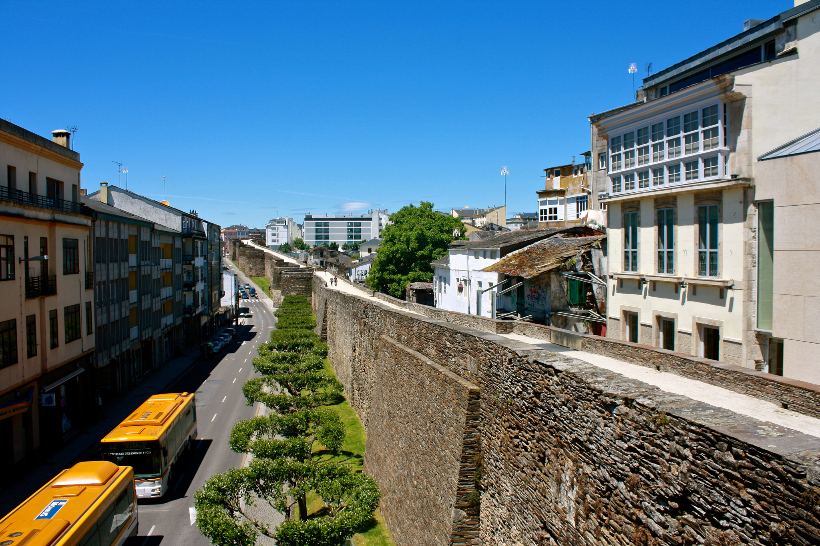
(61, 137)
(104, 192)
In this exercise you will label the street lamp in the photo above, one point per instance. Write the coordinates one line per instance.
(504, 172)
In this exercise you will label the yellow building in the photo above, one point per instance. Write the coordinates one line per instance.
(46, 291)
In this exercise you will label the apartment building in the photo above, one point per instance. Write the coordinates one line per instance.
(46, 284)
(280, 231)
(701, 226)
(480, 218)
(565, 199)
(321, 230)
(138, 296)
(200, 255)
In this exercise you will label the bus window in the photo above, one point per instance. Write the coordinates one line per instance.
(145, 457)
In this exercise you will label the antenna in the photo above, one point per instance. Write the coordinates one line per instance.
(648, 69)
(73, 130)
(119, 170)
(163, 185)
(633, 68)
(125, 172)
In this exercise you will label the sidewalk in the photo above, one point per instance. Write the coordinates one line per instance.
(84, 444)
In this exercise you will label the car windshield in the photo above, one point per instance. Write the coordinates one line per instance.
(143, 456)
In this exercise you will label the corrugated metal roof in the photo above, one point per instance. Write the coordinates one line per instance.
(807, 143)
(542, 256)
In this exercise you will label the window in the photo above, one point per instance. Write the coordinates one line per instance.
(691, 143)
(581, 204)
(657, 176)
(657, 151)
(691, 170)
(776, 356)
(666, 333)
(631, 241)
(643, 179)
(643, 136)
(616, 184)
(629, 158)
(71, 256)
(615, 144)
(708, 240)
(710, 138)
(673, 126)
(615, 162)
(657, 132)
(629, 140)
(602, 161)
(89, 318)
(666, 240)
(690, 122)
(557, 172)
(643, 155)
(31, 336)
(71, 321)
(52, 328)
(673, 148)
(542, 215)
(6, 257)
(32, 183)
(552, 213)
(11, 177)
(710, 166)
(673, 173)
(765, 264)
(710, 115)
(8, 343)
(629, 182)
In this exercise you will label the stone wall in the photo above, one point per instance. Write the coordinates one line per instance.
(296, 282)
(567, 453)
(250, 260)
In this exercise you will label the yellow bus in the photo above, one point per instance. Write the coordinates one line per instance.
(91, 503)
(152, 439)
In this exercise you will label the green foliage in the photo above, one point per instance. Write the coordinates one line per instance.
(297, 450)
(285, 247)
(300, 244)
(416, 237)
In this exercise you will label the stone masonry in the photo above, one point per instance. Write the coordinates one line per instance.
(475, 438)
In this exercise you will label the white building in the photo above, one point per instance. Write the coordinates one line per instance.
(691, 223)
(323, 229)
(280, 231)
(361, 268)
(459, 282)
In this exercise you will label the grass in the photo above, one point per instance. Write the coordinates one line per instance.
(263, 283)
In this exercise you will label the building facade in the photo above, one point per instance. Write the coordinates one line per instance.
(321, 230)
(46, 284)
(565, 199)
(479, 218)
(280, 231)
(686, 206)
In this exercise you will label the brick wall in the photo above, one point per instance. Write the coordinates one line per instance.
(558, 451)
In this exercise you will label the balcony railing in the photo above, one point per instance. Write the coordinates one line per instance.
(34, 200)
(166, 264)
(89, 280)
(41, 286)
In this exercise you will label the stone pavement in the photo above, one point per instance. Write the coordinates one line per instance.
(83, 445)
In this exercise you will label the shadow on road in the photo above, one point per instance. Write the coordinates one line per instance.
(184, 472)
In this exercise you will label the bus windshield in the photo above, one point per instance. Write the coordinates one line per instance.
(145, 457)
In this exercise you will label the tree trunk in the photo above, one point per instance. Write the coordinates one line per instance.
(303, 511)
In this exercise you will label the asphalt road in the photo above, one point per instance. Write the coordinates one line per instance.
(219, 404)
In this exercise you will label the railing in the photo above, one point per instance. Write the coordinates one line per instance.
(89, 280)
(41, 286)
(26, 198)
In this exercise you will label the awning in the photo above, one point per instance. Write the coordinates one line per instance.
(66, 378)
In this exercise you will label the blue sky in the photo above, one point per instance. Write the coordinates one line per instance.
(256, 109)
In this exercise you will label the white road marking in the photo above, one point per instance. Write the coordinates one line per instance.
(214, 417)
(223, 398)
(234, 380)
(192, 514)
(246, 361)
(240, 370)
(151, 530)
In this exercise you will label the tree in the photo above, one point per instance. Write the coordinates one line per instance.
(417, 236)
(300, 244)
(333, 245)
(285, 247)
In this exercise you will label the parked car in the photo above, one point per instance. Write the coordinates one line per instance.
(252, 292)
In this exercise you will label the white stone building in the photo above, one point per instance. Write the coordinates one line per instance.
(323, 229)
(280, 231)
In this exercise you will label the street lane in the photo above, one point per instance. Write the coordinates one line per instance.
(219, 404)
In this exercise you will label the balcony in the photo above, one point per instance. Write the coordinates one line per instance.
(41, 286)
(41, 201)
(166, 292)
(89, 280)
(187, 259)
(135, 333)
(132, 296)
(165, 264)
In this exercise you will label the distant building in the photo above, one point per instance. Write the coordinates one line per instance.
(565, 199)
(361, 268)
(235, 232)
(47, 290)
(280, 231)
(523, 220)
(321, 230)
(711, 190)
(479, 217)
(369, 247)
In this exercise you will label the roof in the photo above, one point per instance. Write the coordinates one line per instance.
(420, 286)
(104, 208)
(365, 260)
(810, 142)
(505, 241)
(754, 34)
(151, 418)
(542, 256)
(443, 262)
(150, 201)
(34, 138)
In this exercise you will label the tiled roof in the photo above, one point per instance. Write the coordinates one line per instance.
(542, 256)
